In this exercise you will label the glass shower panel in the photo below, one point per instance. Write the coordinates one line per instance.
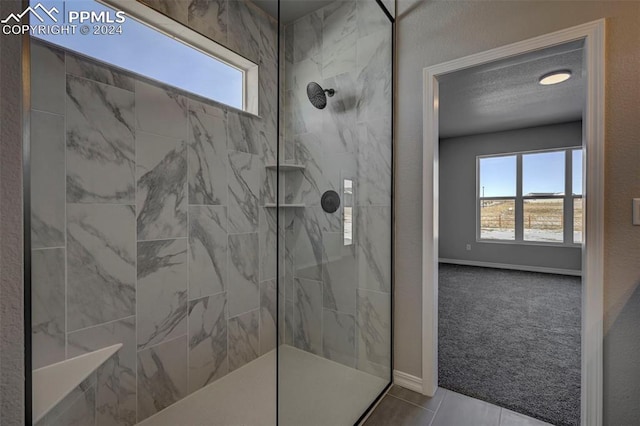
(334, 356)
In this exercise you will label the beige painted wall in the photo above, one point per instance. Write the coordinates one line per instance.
(431, 32)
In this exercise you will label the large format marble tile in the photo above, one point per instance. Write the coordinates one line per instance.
(340, 273)
(302, 116)
(48, 78)
(161, 111)
(243, 290)
(269, 38)
(339, 337)
(299, 74)
(340, 167)
(207, 340)
(339, 36)
(307, 36)
(243, 133)
(175, 9)
(371, 18)
(100, 143)
(374, 67)
(207, 250)
(268, 88)
(267, 131)
(207, 159)
(308, 185)
(291, 229)
(268, 319)
(162, 376)
(244, 339)
(287, 44)
(244, 191)
(268, 236)
(288, 322)
(210, 108)
(373, 329)
(339, 120)
(268, 185)
(86, 68)
(243, 35)
(48, 306)
(307, 331)
(209, 17)
(374, 162)
(116, 379)
(100, 264)
(304, 237)
(162, 291)
(47, 180)
(373, 242)
(161, 172)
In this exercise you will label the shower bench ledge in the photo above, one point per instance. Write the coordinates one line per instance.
(53, 382)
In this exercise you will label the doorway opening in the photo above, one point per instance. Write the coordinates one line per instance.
(523, 222)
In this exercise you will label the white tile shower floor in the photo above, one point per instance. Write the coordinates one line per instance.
(313, 392)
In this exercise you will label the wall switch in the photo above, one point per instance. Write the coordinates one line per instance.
(468, 246)
(636, 211)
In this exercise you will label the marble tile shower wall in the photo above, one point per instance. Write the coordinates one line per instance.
(338, 296)
(148, 222)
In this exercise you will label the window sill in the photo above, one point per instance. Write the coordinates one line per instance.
(529, 243)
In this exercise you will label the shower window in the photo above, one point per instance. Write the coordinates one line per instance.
(141, 41)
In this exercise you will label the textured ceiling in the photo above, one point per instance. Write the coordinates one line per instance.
(290, 10)
(505, 95)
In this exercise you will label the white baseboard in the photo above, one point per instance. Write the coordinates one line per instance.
(407, 381)
(527, 268)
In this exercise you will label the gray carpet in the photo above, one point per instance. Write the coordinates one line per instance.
(511, 338)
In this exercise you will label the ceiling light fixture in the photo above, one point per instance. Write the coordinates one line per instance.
(555, 77)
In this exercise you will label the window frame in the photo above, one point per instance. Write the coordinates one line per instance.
(164, 24)
(568, 200)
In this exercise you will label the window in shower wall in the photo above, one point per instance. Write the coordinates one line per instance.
(142, 41)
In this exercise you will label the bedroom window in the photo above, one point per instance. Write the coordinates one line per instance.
(530, 197)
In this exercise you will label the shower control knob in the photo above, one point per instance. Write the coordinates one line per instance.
(330, 201)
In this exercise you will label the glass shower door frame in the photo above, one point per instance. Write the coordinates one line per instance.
(280, 219)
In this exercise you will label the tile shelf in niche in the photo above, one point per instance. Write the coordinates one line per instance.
(274, 205)
(286, 167)
(54, 382)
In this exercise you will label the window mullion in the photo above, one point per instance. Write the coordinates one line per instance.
(568, 198)
(519, 207)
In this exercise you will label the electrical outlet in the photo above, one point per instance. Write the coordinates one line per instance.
(468, 246)
(636, 211)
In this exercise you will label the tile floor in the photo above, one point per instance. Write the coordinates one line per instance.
(402, 407)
